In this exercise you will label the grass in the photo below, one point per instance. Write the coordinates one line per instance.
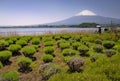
(102, 69)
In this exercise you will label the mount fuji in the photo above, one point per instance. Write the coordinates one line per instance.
(86, 16)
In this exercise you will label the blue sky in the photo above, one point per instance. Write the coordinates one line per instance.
(30, 12)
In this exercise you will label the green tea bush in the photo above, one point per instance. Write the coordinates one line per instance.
(98, 48)
(98, 41)
(47, 38)
(108, 44)
(1, 65)
(60, 41)
(36, 47)
(10, 76)
(4, 56)
(21, 42)
(26, 38)
(78, 77)
(117, 47)
(28, 51)
(75, 45)
(24, 64)
(40, 37)
(47, 58)
(49, 69)
(66, 37)
(57, 37)
(5, 38)
(14, 48)
(77, 37)
(85, 39)
(118, 41)
(3, 44)
(14, 39)
(94, 57)
(48, 43)
(69, 52)
(35, 41)
(110, 52)
(49, 50)
(106, 66)
(68, 58)
(10, 42)
(64, 45)
(72, 41)
(83, 49)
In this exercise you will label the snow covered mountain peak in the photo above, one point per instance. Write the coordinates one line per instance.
(86, 13)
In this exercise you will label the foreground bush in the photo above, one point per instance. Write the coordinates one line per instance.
(60, 41)
(49, 69)
(98, 48)
(77, 37)
(57, 37)
(47, 38)
(83, 49)
(75, 45)
(14, 39)
(94, 57)
(66, 37)
(47, 58)
(64, 45)
(71, 41)
(14, 48)
(104, 69)
(85, 39)
(10, 76)
(110, 52)
(35, 41)
(4, 56)
(49, 50)
(108, 44)
(21, 42)
(28, 51)
(10, 42)
(3, 44)
(76, 64)
(24, 64)
(36, 47)
(117, 47)
(78, 77)
(68, 58)
(26, 38)
(69, 52)
(48, 43)
(98, 41)
(1, 65)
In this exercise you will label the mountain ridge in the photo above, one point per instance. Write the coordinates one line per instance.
(86, 16)
(75, 20)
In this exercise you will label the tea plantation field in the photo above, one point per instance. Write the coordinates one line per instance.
(61, 57)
